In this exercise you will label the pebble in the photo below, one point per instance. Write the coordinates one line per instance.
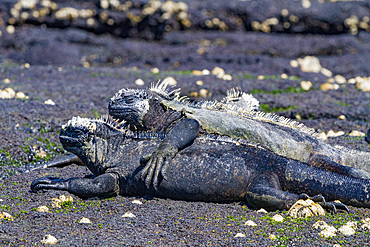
(85, 220)
(197, 72)
(155, 70)
(326, 72)
(218, 71)
(294, 63)
(139, 82)
(21, 95)
(348, 229)
(278, 218)
(239, 235)
(262, 210)
(7, 93)
(49, 239)
(6, 80)
(63, 198)
(342, 117)
(328, 86)
(309, 64)
(272, 236)
(331, 133)
(199, 83)
(328, 232)
(7, 216)
(356, 133)
(137, 202)
(322, 136)
(203, 93)
(305, 208)
(284, 76)
(320, 224)
(170, 80)
(340, 79)
(260, 77)
(306, 85)
(128, 215)
(363, 83)
(227, 77)
(43, 209)
(250, 223)
(366, 224)
(206, 72)
(49, 102)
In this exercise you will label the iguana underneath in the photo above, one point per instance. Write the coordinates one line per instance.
(159, 109)
(212, 168)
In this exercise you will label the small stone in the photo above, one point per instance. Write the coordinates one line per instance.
(262, 210)
(43, 209)
(155, 70)
(260, 77)
(7, 93)
(128, 215)
(66, 198)
(85, 220)
(305, 208)
(60, 69)
(284, 76)
(139, 82)
(322, 136)
(199, 83)
(239, 235)
(206, 72)
(170, 80)
(352, 81)
(336, 245)
(320, 224)
(7, 216)
(194, 94)
(272, 237)
(137, 202)
(340, 79)
(348, 229)
(326, 72)
(309, 64)
(197, 72)
(21, 95)
(342, 117)
(49, 239)
(331, 133)
(218, 71)
(294, 63)
(203, 93)
(330, 80)
(306, 85)
(250, 223)
(328, 232)
(328, 86)
(227, 77)
(363, 83)
(356, 133)
(27, 65)
(49, 102)
(278, 218)
(6, 80)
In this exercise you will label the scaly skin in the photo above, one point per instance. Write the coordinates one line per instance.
(278, 134)
(213, 168)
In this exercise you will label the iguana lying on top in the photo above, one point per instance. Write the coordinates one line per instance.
(159, 109)
(212, 168)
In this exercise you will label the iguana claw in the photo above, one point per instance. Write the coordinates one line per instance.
(158, 163)
(48, 183)
(327, 205)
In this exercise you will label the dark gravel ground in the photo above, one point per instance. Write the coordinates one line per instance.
(79, 71)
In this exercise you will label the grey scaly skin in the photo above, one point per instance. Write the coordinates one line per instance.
(213, 168)
(148, 109)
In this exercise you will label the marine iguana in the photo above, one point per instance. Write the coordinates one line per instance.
(158, 108)
(213, 168)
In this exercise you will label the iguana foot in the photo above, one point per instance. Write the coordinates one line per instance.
(47, 183)
(333, 206)
(157, 163)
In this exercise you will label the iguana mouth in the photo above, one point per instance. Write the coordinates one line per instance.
(70, 141)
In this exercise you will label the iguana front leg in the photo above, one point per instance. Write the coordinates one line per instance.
(181, 136)
(105, 185)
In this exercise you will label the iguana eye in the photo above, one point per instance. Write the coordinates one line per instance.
(129, 100)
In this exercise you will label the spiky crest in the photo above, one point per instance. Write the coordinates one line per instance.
(160, 88)
(110, 122)
(243, 99)
(249, 113)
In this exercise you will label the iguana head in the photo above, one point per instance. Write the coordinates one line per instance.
(138, 106)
